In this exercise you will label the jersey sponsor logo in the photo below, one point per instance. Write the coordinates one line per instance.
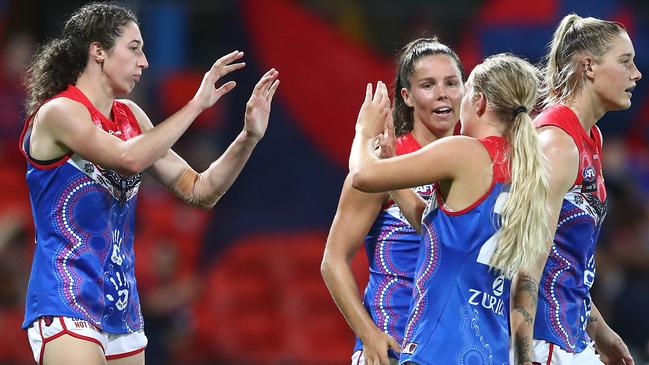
(426, 192)
(409, 348)
(589, 180)
(424, 189)
(492, 301)
(589, 174)
(498, 286)
(80, 323)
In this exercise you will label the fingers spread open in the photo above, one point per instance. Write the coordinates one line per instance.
(271, 91)
(233, 67)
(377, 93)
(226, 88)
(222, 66)
(228, 58)
(368, 93)
(262, 86)
(385, 99)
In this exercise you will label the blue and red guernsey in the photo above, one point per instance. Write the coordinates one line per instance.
(460, 308)
(392, 247)
(564, 293)
(84, 217)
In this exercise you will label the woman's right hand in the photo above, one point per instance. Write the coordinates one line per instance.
(376, 345)
(374, 111)
(208, 94)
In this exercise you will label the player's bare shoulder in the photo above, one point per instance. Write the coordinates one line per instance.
(60, 110)
(557, 142)
(141, 117)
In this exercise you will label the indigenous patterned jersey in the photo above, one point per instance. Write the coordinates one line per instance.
(84, 216)
(392, 247)
(564, 293)
(460, 308)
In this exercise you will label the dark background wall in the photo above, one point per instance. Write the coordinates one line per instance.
(240, 284)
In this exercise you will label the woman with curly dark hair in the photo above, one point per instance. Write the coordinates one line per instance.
(85, 153)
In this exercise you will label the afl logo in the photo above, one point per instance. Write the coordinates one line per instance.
(498, 286)
(589, 174)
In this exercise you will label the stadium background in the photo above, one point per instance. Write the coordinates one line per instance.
(240, 284)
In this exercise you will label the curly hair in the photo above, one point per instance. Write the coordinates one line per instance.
(59, 62)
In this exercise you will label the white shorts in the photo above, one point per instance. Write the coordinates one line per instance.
(546, 353)
(46, 329)
(359, 359)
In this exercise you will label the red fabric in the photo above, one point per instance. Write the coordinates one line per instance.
(334, 76)
(498, 151)
(514, 12)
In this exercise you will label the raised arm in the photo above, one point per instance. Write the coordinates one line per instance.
(204, 189)
(562, 156)
(354, 217)
(62, 125)
(410, 203)
(436, 162)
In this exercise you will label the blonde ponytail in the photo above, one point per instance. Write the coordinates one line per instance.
(524, 232)
(510, 85)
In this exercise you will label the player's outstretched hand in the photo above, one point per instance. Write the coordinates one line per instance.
(258, 106)
(374, 111)
(208, 94)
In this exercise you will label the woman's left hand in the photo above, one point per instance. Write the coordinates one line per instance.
(258, 106)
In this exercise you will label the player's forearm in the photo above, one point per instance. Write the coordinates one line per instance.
(205, 189)
(524, 297)
(412, 206)
(595, 323)
(362, 153)
(340, 281)
(142, 151)
(364, 165)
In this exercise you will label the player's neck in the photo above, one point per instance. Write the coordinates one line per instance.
(99, 94)
(588, 110)
(424, 135)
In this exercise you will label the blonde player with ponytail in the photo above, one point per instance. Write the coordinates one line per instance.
(589, 72)
(488, 220)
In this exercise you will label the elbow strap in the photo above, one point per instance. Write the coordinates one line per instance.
(185, 188)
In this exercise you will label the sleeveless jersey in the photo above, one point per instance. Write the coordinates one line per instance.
(460, 308)
(392, 247)
(84, 218)
(564, 293)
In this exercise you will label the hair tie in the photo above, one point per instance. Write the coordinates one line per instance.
(519, 109)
